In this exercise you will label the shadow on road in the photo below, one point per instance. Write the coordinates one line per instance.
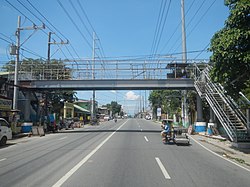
(134, 131)
(7, 145)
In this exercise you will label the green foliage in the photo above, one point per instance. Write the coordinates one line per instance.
(114, 107)
(56, 98)
(168, 100)
(231, 49)
(39, 68)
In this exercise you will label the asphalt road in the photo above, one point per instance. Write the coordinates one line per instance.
(127, 153)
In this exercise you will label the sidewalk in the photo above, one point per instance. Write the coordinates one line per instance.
(225, 149)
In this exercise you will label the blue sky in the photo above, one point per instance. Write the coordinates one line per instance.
(125, 28)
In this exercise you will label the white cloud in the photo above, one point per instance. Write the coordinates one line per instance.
(131, 96)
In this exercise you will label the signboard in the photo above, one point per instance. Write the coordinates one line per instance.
(158, 112)
(5, 104)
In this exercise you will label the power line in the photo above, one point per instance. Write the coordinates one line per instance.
(156, 28)
(80, 18)
(165, 45)
(57, 30)
(163, 27)
(54, 28)
(179, 38)
(71, 19)
(102, 54)
(203, 15)
(5, 40)
(205, 49)
(41, 21)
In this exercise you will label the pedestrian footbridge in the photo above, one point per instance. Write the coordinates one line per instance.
(110, 84)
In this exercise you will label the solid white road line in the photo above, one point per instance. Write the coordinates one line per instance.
(219, 155)
(62, 138)
(2, 159)
(163, 170)
(146, 138)
(85, 159)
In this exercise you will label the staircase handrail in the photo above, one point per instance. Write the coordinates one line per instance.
(227, 124)
(227, 99)
(230, 129)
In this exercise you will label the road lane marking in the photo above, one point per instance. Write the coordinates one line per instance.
(146, 138)
(2, 159)
(62, 138)
(219, 155)
(85, 159)
(163, 170)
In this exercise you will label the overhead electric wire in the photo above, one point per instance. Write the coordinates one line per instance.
(5, 40)
(205, 49)
(80, 18)
(47, 25)
(164, 23)
(87, 18)
(179, 38)
(203, 15)
(73, 22)
(100, 48)
(57, 30)
(156, 29)
(167, 42)
(19, 11)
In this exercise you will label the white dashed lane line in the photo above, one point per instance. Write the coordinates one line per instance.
(146, 138)
(163, 169)
(2, 159)
(62, 138)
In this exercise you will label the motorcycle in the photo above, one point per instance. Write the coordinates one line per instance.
(166, 138)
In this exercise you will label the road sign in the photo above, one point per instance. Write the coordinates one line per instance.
(158, 112)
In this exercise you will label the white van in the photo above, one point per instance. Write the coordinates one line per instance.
(5, 131)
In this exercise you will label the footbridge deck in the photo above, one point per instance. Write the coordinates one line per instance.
(110, 84)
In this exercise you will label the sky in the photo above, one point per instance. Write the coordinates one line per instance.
(123, 29)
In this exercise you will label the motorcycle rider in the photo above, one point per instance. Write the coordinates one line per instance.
(165, 130)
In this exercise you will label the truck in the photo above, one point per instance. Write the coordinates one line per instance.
(5, 132)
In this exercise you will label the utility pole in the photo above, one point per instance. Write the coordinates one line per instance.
(93, 116)
(18, 33)
(54, 43)
(49, 47)
(49, 42)
(15, 95)
(184, 60)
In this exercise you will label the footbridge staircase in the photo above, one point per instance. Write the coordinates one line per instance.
(225, 108)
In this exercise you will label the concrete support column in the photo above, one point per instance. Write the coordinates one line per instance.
(64, 111)
(27, 106)
(211, 115)
(248, 119)
(211, 123)
(200, 125)
(199, 109)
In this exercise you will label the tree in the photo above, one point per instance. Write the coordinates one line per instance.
(231, 50)
(168, 100)
(114, 107)
(39, 68)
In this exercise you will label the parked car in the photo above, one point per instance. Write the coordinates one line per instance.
(5, 131)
